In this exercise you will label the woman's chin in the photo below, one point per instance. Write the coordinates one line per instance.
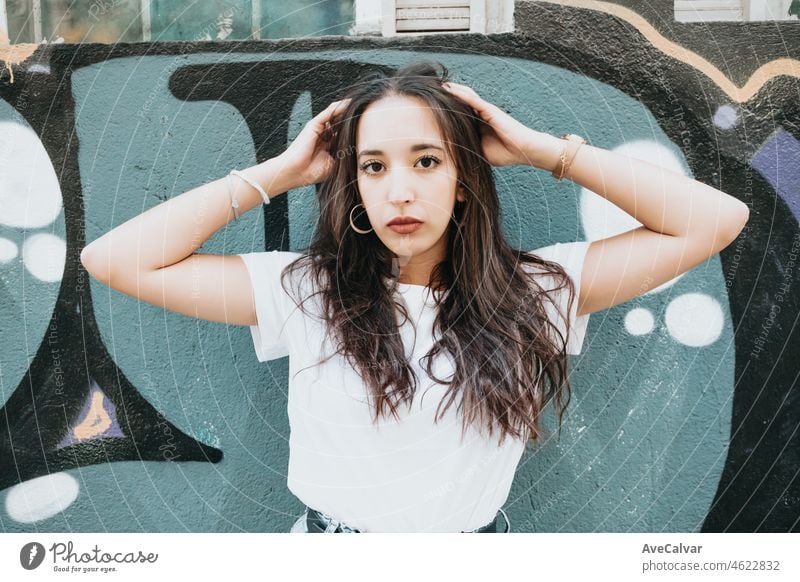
(402, 245)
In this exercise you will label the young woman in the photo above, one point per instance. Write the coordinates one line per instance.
(423, 347)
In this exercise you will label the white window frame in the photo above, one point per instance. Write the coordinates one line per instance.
(378, 17)
(731, 10)
(37, 20)
(5, 36)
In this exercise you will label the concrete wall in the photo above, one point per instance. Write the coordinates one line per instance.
(119, 416)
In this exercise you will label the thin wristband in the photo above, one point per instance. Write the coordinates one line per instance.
(569, 160)
(234, 201)
(253, 183)
(567, 155)
(558, 171)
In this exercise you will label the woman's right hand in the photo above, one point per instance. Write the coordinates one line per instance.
(307, 158)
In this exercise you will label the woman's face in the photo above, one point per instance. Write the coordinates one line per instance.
(404, 171)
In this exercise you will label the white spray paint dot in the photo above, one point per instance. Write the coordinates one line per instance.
(39, 68)
(30, 195)
(694, 319)
(726, 117)
(8, 250)
(639, 321)
(44, 255)
(42, 497)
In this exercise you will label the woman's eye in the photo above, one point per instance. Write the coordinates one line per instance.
(367, 165)
(430, 158)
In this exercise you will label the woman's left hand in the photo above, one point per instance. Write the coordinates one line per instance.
(506, 141)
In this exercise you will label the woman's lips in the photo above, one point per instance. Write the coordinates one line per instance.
(405, 228)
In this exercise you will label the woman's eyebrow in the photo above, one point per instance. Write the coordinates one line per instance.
(414, 148)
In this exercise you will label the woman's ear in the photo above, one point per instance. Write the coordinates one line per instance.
(460, 193)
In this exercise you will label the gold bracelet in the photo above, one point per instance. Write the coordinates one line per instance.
(574, 142)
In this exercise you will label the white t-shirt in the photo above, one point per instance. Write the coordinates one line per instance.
(406, 476)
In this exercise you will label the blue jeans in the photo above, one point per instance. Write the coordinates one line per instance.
(301, 526)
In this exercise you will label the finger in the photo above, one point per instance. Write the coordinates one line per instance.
(341, 105)
(467, 94)
(319, 125)
(328, 131)
(480, 108)
(487, 111)
(331, 111)
(459, 88)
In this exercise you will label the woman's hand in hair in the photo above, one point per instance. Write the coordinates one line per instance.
(307, 160)
(505, 141)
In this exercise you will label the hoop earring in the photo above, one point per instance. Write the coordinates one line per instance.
(459, 207)
(354, 227)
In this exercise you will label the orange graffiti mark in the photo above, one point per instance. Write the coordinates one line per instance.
(764, 73)
(97, 419)
(15, 54)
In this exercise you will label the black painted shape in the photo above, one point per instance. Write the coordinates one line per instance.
(765, 387)
(44, 406)
(264, 93)
(759, 489)
(737, 49)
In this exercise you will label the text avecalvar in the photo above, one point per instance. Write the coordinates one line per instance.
(671, 549)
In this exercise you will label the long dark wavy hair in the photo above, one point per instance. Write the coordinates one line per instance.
(510, 359)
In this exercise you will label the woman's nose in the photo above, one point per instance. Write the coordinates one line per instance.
(401, 186)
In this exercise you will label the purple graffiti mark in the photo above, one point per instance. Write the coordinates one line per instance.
(98, 418)
(778, 160)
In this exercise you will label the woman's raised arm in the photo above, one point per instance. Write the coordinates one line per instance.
(151, 256)
(684, 222)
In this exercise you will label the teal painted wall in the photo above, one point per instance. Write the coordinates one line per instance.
(646, 437)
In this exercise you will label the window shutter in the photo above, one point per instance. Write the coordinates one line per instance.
(433, 16)
(708, 10)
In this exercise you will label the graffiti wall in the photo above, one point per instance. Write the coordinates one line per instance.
(120, 416)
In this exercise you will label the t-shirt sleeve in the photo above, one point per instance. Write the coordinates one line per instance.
(571, 257)
(273, 305)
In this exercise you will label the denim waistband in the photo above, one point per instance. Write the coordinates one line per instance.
(319, 522)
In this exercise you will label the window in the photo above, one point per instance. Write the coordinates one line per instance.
(407, 17)
(111, 21)
(736, 10)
